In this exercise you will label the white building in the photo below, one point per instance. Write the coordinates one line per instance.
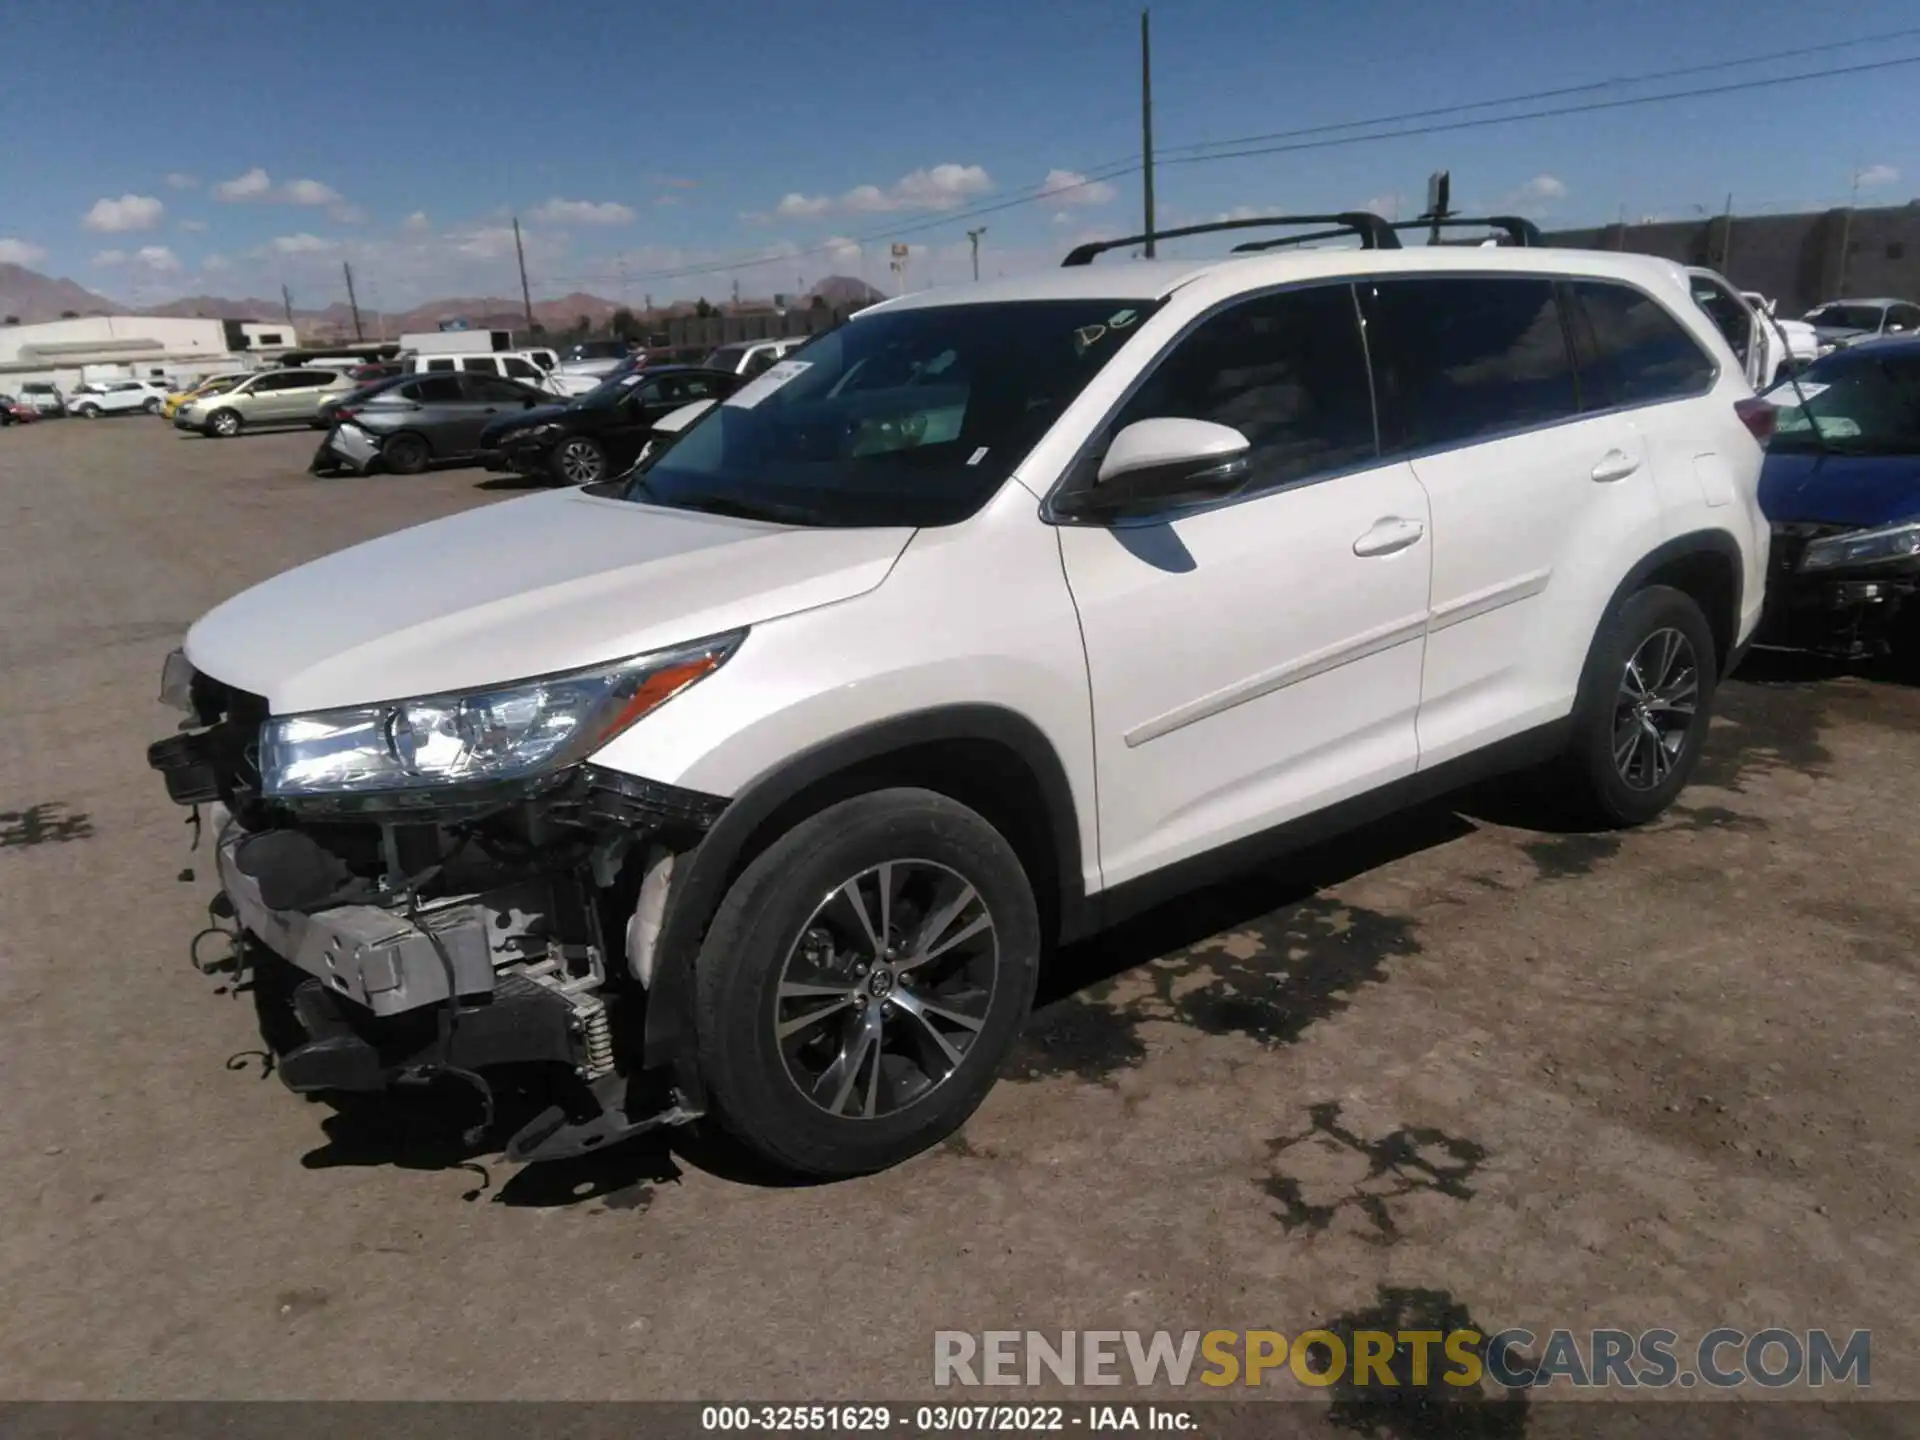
(66, 352)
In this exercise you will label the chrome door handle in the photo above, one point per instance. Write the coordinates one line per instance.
(1615, 465)
(1388, 536)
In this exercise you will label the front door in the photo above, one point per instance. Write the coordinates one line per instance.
(1257, 659)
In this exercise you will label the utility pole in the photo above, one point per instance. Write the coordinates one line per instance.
(352, 303)
(1146, 127)
(286, 303)
(520, 254)
(736, 292)
(1726, 234)
(973, 238)
(1846, 233)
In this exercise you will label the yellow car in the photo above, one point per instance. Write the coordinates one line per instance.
(212, 385)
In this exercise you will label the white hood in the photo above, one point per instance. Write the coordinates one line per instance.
(548, 583)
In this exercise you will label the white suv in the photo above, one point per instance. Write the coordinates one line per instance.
(115, 397)
(759, 783)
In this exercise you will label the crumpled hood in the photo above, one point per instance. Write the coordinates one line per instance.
(1832, 489)
(547, 583)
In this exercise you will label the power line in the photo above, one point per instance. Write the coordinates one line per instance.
(1104, 174)
(1716, 65)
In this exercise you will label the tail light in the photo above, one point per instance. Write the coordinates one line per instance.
(345, 412)
(1758, 416)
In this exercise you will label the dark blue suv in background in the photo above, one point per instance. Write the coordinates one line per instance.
(1841, 487)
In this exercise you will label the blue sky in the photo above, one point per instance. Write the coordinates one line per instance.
(150, 151)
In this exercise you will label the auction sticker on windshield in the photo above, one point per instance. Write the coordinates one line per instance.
(752, 393)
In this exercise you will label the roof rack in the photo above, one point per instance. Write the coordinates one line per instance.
(1374, 233)
(1519, 231)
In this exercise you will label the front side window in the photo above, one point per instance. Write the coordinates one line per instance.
(727, 357)
(434, 390)
(1862, 404)
(1902, 319)
(1632, 351)
(520, 369)
(1288, 371)
(1464, 357)
(761, 361)
(439, 366)
(908, 417)
(1729, 315)
(480, 365)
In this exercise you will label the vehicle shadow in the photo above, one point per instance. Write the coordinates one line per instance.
(515, 482)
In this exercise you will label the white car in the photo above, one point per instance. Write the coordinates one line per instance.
(760, 783)
(522, 365)
(1797, 341)
(751, 357)
(115, 397)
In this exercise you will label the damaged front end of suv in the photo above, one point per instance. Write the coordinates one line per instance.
(445, 885)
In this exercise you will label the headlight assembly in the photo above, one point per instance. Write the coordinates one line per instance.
(505, 732)
(1864, 547)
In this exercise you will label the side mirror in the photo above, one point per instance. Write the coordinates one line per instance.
(1164, 464)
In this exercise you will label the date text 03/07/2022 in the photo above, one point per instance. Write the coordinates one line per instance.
(1088, 1419)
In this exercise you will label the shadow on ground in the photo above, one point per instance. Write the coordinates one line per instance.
(1428, 1408)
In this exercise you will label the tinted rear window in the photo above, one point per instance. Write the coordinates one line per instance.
(1632, 350)
(1468, 356)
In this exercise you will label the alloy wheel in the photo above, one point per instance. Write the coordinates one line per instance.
(885, 989)
(580, 462)
(1654, 710)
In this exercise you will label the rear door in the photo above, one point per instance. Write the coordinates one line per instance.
(485, 398)
(440, 409)
(1479, 393)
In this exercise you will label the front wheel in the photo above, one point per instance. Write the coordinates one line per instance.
(579, 461)
(89, 412)
(1645, 703)
(152, 407)
(863, 981)
(224, 423)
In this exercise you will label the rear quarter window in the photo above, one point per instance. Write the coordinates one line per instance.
(1632, 350)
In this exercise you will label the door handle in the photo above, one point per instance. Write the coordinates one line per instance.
(1388, 536)
(1615, 465)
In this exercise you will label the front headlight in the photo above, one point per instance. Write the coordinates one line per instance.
(504, 733)
(1864, 547)
(538, 432)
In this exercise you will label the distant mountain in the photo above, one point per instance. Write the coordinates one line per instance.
(846, 290)
(31, 296)
(217, 307)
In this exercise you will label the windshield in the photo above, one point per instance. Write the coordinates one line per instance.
(912, 417)
(609, 391)
(1847, 317)
(727, 357)
(1863, 404)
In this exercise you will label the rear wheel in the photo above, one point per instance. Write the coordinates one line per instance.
(152, 407)
(1645, 703)
(579, 461)
(405, 454)
(862, 982)
(224, 423)
(88, 412)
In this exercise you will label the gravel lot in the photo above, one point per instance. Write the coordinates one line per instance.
(1454, 1067)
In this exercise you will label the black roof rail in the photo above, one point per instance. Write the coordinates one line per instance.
(1520, 231)
(1249, 247)
(1374, 233)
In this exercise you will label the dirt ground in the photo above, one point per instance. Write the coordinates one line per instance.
(1454, 1068)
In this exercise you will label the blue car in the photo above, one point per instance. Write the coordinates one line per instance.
(1841, 487)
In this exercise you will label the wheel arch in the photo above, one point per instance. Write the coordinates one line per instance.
(987, 757)
(1706, 565)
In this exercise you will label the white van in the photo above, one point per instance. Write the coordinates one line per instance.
(521, 365)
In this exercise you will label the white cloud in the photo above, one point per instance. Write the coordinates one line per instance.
(256, 184)
(214, 264)
(795, 206)
(583, 212)
(416, 223)
(129, 212)
(1878, 175)
(1387, 205)
(486, 242)
(943, 187)
(309, 192)
(191, 227)
(180, 180)
(1544, 187)
(20, 252)
(301, 244)
(1070, 187)
(159, 259)
(110, 257)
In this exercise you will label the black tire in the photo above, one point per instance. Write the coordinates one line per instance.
(224, 424)
(405, 454)
(88, 412)
(579, 460)
(1604, 789)
(152, 407)
(776, 903)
